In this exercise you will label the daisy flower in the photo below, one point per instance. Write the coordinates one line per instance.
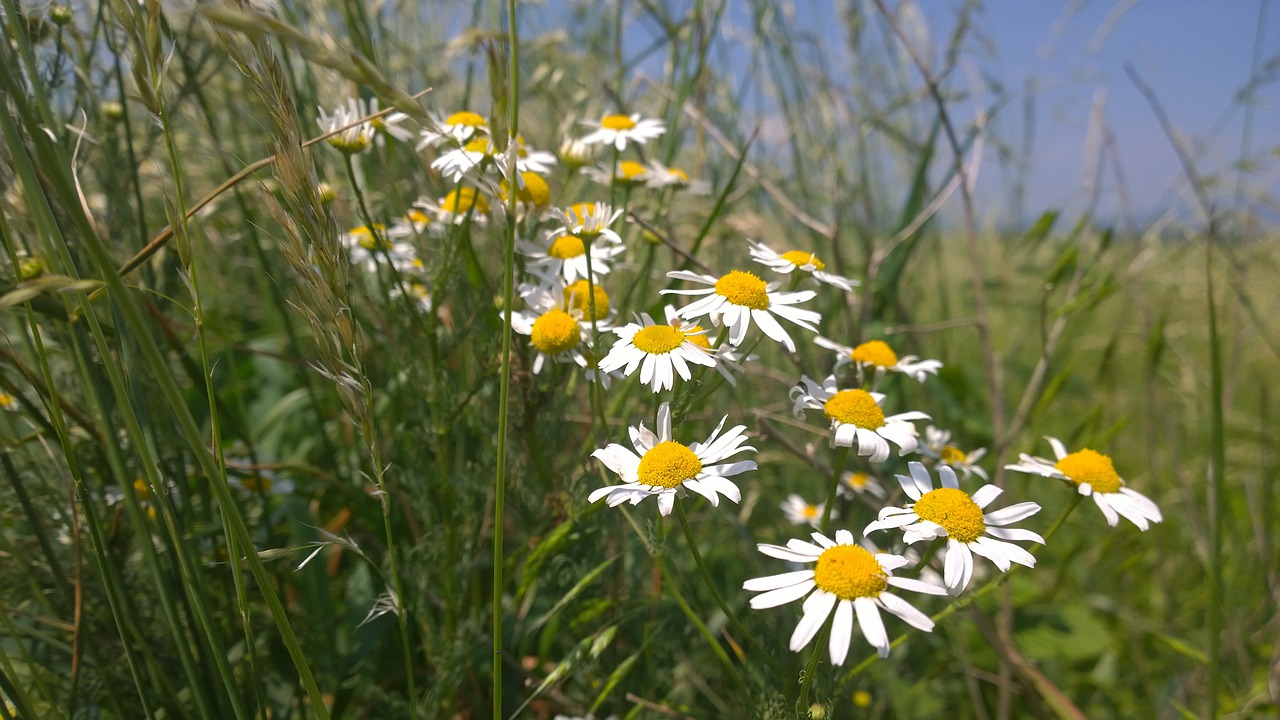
(416, 291)
(367, 247)
(954, 514)
(846, 578)
(458, 128)
(856, 418)
(853, 484)
(579, 299)
(587, 221)
(1094, 476)
(659, 350)
(805, 262)
(661, 176)
(937, 445)
(460, 161)
(575, 153)
(618, 130)
(389, 124)
(665, 467)
(799, 511)
(565, 256)
(354, 138)
(739, 297)
(457, 206)
(8, 402)
(877, 355)
(557, 332)
(627, 173)
(728, 360)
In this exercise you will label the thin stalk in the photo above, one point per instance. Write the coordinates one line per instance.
(842, 454)
(504, 392)
(1217, 462)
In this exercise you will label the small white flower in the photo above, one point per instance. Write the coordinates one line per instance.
(587, 221)
(458, 129)
(462, 161)
(564, 255)
(937, 445)
(457, 207)
(794, 260)
(660, 176)
(1094, 476)
(952, 513)
(799, 511)
(853, 484)
(658, 350)
(877, 355)
(847, 579)
(618, 130)
(557, 329)
(856, 418)
(366, 248)
(739, 297)
(663, 467)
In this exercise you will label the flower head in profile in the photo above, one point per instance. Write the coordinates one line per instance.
(856, 418)
(586, 221)
(951, 513)
(853, 484)
(1094, 476)
(627, 173)
(878, 357)
(798, 260)
(661, 467)
(564, 256)
(659, 176)
(937, 445)
(846, 578)
(459, 128)
(355, 135)
(618, 130)
(556, 326)
(737, 297)
(659, 350)
(799, 511)
(366, 247)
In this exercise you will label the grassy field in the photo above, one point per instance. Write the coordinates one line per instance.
(290, 430)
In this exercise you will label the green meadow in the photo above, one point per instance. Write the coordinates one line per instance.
(393, 360)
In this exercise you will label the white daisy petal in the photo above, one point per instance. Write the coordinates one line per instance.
(783, 595)
(872, 626)
(841, 632)
(777, 582)
(816, 610)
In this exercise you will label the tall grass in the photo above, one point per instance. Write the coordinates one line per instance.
(251, 479)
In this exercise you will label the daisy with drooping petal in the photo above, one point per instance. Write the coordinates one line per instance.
(618, 130)
(1094, 476)
(846, 578)
(799, 511)
(458, 128)
(877, 355)
(793, 260)
(660, 351)
(557, 330)
(664, 468)
(937, 445)
(856, 418)
(728, 360)
(565, 256)
(954, 514)
(853, 484)
(587, 221)
(739, 297)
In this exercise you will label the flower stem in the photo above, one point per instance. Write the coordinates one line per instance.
(842, 454)
(812, 668)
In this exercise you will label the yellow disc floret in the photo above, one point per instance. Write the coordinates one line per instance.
(800, 258)
(854, 407)
(631, 171)
(850, 572)
(1088, 466)
(479, 145)
(743, 288)
(875, 352)
(555, 332)
(535, 190)
(460, 201)
(577, 296)
(858, 480)
(658, 339)
(566, 246)
(617, 122)
(371, 240)
(952, 455)
(668, 464)
(955, 511)
(699, 339)
(465, 118)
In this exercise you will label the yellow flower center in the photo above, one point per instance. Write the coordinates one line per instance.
(566, 246)
(462, 200)
(858, 480)
(576, 297)
(479, 145)
(810, 512)
(700, 339)
(862, 699)
(350, 144)
(7, 401)
(658, 339)
(854, 407)
(467, 118)
(374, 240)
(555, 332)
(679, 174)
(1088, 466)
(417, 291)
(141, 490)
(955, 511)
(743, 288)
(952, 455)
(582, 210)
(418, 217)
(617, 122)
(630, 170)
(668, 464)
(875, 352)
(535, 190)
(800, 258)
(850, 572)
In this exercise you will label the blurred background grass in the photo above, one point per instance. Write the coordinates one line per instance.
(122, 604)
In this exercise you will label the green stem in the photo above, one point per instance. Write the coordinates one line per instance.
(812, 668)
(842, 454)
